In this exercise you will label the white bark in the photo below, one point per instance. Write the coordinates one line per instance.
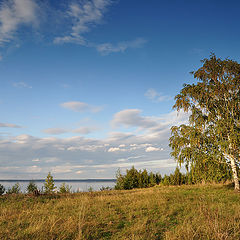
(234, 171)
(234, 167)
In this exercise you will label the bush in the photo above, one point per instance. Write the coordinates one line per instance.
(14, 189)
(90, 189)
(49, 186)
(32, 187)
(64, 188)
(105, 188)
(2, 189)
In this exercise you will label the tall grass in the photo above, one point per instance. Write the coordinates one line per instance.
(174, 212)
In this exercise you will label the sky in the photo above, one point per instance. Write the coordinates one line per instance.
(88, 86)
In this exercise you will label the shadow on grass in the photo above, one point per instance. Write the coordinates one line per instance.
(229, 186)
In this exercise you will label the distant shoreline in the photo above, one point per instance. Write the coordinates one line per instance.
(58, 180)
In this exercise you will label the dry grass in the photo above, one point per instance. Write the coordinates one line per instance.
(186, 212)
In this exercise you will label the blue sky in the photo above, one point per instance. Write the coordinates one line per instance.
(87, 87)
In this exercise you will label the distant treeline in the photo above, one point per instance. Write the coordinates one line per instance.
(143, 179)
(207, 172)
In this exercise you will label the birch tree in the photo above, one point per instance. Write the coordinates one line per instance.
(213, 133)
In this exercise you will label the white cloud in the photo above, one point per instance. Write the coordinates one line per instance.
(61, 169)
(132, 118)
(14, 13)
(50, 159)
(155, 96)
(87, 148)
(164, 163)
(36, 160)
(81, 107)
(55, 131)
(152, 149)
(84, 130)
(84, 16)
(34, 169)
(9, 125)
(107, 48)
(21, 85)
(116, 149)
(66, 156)
(128, 158)
(58, 131)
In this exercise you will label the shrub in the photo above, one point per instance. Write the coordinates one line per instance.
(90, 189)
(2, 189)
(105, 188)
(49, 186)
(64, 188)
(32, 187)
(14, 189)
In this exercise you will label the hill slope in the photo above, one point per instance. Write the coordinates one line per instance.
(186, 212)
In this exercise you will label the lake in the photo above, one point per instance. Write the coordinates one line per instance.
(77, 185)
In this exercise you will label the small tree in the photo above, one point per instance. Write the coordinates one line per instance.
(2, 189)
(120, 180)
(49, 184)
(14, 189)
(166, 180)
(64, 188)
(32, 187)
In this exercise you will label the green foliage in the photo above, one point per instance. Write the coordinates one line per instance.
(65, 188)
(210, 144)
(166, 180)
(136, 179)
(15, 189)
(142, 179)
(2, 189)
(177, 178)
(90, 189)
(31, 187)
(49, 186)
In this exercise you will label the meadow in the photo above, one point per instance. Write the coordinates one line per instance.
(160, 212)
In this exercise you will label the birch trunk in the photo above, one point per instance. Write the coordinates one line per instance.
(234, 171)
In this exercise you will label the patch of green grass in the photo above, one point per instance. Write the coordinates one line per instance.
(186, 212)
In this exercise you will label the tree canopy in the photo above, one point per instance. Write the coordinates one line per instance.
(212, 137)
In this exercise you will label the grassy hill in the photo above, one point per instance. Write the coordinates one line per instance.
(185, 212)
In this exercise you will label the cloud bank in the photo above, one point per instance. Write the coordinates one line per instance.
(26, 156)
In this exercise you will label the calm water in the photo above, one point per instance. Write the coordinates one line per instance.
(77, 185)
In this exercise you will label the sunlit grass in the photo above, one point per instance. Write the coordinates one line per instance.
(186, 212)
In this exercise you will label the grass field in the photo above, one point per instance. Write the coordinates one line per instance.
(185, 212)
